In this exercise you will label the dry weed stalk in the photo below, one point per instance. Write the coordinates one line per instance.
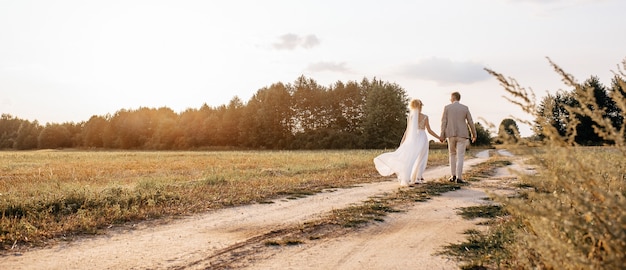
(574, 218)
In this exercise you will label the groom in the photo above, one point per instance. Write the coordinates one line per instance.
(456, 125)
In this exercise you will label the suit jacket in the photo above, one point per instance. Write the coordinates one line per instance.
(457, 121)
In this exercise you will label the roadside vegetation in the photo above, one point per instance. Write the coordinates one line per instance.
(570, 213)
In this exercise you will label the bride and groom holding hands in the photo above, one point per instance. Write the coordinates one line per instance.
(409, 160)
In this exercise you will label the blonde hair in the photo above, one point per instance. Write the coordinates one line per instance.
(416, 104)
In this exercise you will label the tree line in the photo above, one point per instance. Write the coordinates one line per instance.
(298, 115)
(370, 114)
(563, 111)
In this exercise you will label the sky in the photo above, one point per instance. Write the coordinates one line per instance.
(65, 61)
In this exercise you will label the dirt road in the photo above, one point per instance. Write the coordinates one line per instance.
(406, 239)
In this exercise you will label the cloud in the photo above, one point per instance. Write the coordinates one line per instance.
(327, 66)
(310, 41)
(293, 41)
(445, 71)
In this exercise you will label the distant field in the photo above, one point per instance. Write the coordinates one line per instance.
(49, 170)
(47, 194)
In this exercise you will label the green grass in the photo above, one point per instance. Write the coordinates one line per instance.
(486, 250)
(482, 211)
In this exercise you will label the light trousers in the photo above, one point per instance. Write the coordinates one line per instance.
(456, 153)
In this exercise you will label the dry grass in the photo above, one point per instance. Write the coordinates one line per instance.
(571, 213)
(58, 194)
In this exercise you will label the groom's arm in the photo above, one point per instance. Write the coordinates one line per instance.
(471, 125)
(444, 123)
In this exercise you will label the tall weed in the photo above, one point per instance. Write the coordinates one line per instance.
(573, 216)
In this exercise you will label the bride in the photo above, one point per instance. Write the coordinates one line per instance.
(408, 162)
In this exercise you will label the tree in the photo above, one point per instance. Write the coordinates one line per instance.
(508, 131)
(483, 137)
(54, 136)
(617, 92)
(269, 119)
(93, 132)
(27, 135)
(565, 111)
(9, 126)
(230, 122)
(310, 105)
(327, 118)
(350, 98)
(552, 111)
(165, 131)
(194, 127)
(385, 114)
(585, 133)
(76, 133)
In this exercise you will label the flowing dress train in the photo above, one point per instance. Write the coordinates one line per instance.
(408, 161)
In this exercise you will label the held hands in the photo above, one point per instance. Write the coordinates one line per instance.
(442, 139)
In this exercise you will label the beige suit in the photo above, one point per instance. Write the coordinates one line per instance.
(458, 127)
(457, 122)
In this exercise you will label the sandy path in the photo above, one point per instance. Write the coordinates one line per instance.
(405, 239)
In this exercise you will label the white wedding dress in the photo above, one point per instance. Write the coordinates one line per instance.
(408, 162)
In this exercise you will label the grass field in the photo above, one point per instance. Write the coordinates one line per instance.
(51, 194)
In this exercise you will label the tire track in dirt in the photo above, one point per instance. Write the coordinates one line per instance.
(405, 240)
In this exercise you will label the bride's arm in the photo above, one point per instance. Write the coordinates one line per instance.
(406, 130)
(427, 125)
